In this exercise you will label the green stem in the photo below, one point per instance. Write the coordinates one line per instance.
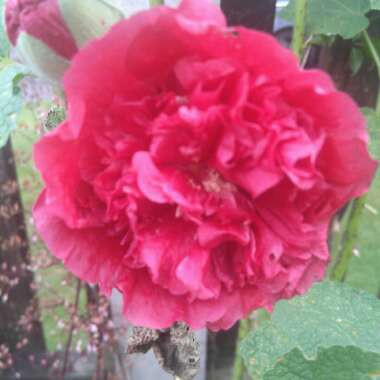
(299, 28)
(239, 369)
(156, 2)
(338, 237)
(372, 49)
(377, 109)
(376, 59)
(341, 266)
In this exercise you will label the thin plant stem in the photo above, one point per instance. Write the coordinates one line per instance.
(338, 236)
(376, 58)
(372, 48)
(70, 338)
(156, 2)
(299, 28)
(340, 269)
(239, 368)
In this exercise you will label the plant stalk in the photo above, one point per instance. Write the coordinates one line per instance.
(340, 268)
(239, 368)
(339, 271)
(299, 28)
(338, 237)
(156, 2)
(71, 331)
(376, 59)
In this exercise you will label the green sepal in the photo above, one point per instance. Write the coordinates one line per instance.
(88, 19)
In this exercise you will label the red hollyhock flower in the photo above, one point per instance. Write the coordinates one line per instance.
(198, 169)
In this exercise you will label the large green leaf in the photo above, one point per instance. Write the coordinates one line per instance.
(10, 100)
(335, 363)
(4, 44)
(344, 17)
(333, 326)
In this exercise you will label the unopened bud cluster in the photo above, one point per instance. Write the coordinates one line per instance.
(48, 33)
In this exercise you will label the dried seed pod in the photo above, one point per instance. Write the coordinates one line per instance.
(176, 349)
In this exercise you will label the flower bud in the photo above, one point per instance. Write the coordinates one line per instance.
(48, 33)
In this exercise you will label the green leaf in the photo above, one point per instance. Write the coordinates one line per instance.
(375, 4)
(10, 100)
(344, 17)
(16, 83)
(356, 59)
(330, 327)
(323, 40)
(335, 363)
(4, 43)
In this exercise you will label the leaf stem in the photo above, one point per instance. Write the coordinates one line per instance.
(340, 268)
(239, 369)
(339, 271)
(338, 236)
(376, 59)
(299, 28)
(377, 109)
(156, 2)
(372, 49)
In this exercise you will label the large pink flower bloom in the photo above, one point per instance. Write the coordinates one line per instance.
(199, 168)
